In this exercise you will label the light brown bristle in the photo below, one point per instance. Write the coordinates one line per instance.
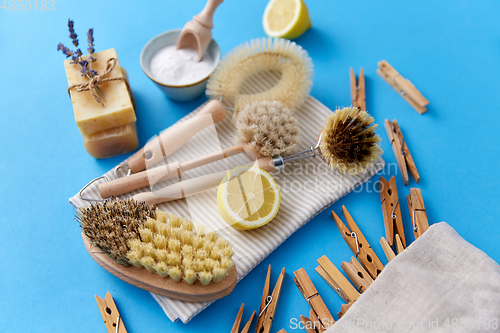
(137, 234)
(276, 54)
(121, 218)
(349, 142)
(267, 128)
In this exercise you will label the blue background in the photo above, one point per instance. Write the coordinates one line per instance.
(449, 49)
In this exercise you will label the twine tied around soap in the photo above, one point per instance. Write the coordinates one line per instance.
(93, 84)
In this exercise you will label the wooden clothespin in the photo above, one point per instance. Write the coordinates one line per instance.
(358, 244)
(343, 309)
(403, 86)
(391, 210)
(110, 314)
(399, 245)
(319, 311)
(308, 324)
(417, 212)
(358, 90)
(336, 280)
(389, 253)
(357, 274)
(401, 151)
(237, 322)
(269, 302)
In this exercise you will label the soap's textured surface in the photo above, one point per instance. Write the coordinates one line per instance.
(91, 117)
(112, 142)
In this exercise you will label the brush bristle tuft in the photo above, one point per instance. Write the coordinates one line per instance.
(349, 142)
(274, 54)
(111, 224)
(267, 128)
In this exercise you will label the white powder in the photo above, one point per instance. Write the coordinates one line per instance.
(178, 67)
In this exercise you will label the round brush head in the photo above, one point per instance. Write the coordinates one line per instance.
(267, 128)
(263, 54)
(349, 142)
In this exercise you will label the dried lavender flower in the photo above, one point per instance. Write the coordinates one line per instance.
(72, 33)
(90, 38)
(67, 52)
(76, 56)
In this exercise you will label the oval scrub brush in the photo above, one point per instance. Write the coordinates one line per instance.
(182, 261)
(347, 142)
(282, 55)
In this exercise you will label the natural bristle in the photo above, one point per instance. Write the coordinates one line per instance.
(121, 218)
(134, 233)
(257, 55)
(349, 142)
(267, 128)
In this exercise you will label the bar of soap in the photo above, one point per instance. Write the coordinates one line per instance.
(112, 142)
(91, 117)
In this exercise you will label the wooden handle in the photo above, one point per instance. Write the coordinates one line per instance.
(205, 17)
(174, 137)
(151, 176)
(138, 180)
(182, 189)
(194, 185)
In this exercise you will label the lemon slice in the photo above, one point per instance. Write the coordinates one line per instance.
(248, 198)
(286, 18)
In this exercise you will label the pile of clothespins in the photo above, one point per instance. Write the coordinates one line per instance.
(364, 267)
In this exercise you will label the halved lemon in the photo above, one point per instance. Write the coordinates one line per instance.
(248, 197)
(286, 18)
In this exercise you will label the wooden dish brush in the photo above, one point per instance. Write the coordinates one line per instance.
(347, 142)
(265, 129)
(157, 251)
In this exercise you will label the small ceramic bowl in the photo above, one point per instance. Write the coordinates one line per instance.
(184, 92)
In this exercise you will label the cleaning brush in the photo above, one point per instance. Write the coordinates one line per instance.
(264, 129)
(277, 54)
(347, 142)
(169, 246)
(267, 128)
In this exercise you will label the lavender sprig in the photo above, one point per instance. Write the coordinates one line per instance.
(90, 38)
(67, 52)
(76, 56)
(72, 33)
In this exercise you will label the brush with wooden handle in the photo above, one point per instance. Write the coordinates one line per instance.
(347, 142)
(193, 186)
(151, 176)
(174, 137)
(265, 129)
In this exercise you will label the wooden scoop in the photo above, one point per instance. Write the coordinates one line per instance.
(197, 33)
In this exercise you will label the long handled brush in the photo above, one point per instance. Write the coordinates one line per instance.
(347, 143)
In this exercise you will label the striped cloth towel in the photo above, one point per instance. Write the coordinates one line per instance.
(307, 187)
